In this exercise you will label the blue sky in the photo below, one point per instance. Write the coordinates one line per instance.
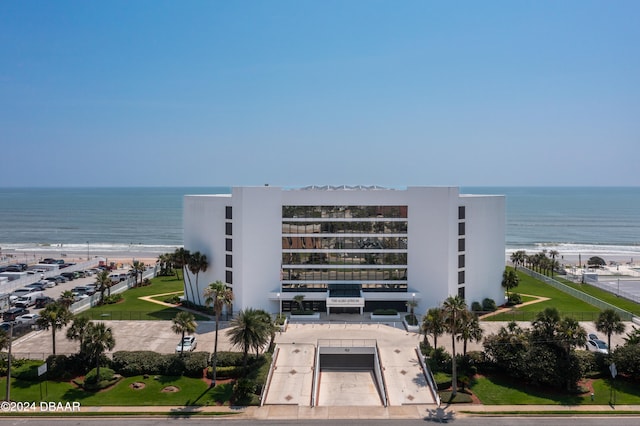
(207, 93)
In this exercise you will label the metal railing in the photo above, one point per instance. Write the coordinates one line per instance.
(624, 315)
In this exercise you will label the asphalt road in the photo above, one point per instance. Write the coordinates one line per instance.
(207, 421)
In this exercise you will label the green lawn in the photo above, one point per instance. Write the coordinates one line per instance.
(605, 296)
(565, 303)
(133, 308)
(192, 392)
(498, 390)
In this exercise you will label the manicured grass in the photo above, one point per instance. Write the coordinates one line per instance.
(192, 392)
(605, 296)
(563, 302)
(133, 308)
(499, 390)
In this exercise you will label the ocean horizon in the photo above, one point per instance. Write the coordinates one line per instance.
(572, 220)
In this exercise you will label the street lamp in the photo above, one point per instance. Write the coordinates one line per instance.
(88, 250)
(279, 305)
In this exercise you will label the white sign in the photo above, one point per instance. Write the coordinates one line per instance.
(613, 369)
(335, 302)
(42, 369)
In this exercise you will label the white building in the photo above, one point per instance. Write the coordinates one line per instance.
(348, 249)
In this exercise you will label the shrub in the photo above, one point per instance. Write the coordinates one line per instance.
(439, 360)
(443, 380)
(514, 299)
(195, 363)
(26, 371)
(411, 319)
(231, 372)
(280, 319)
(174, 300)
(114, 298)
(489, 305)
(227, 359)
(93, 382)
(385, 312)
(135, 363)
(243, 389)
(476, 307)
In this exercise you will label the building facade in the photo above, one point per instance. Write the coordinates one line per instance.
(349, 249)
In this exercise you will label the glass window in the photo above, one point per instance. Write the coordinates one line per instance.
(461, 292)
(461, 228)
(229, 244)
(228, 212)
(229, 261)
(328, 274)
(228, 227)
(229, 277)
(460, 277)
(344, 258)
(461, 212)
(343, 212)
(461, 244)
(344, 243)
(329, 227)
(461, 261)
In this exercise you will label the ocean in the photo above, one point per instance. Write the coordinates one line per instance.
(589, 220)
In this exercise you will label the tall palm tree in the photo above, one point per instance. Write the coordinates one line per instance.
(184, 322)
(270, 329)
(54, 316)
(509, 280)
(198, 263)
(103, 282)
(433, 324)
(219, 296)
(454, 309)
(4, 339)
(470, 331)
(78, 330)
(138, 269)
(553, 254)
(518, 258)
(98, 338)
(248, 330)
(609, 322)
(181, 260)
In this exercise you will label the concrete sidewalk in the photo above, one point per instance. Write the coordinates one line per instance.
(417, 411)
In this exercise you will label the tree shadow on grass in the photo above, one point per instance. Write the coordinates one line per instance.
(559, 396)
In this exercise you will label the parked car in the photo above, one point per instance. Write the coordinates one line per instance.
(593, 337)
(70, 276)
(28, 319)
(188, 344)
(43, 301)
(597, 346)
(13, 313)
(61, 279)
(84, 289)
(28, 299)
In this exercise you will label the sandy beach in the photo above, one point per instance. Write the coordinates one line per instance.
(124, 258)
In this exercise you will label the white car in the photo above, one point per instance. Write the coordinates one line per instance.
(597, 346)
(188, 344)
(28, 319)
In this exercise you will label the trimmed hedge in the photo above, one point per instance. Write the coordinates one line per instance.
(228, 359)
(385, 312)
(135, 363)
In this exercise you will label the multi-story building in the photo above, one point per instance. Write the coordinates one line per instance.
(349, 249)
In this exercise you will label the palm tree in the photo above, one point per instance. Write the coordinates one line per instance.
(198, 263)
(103, 282)
(184, 322)
(518, 258)
(299, 299)
(633, 337)
(138, 269)
(270, 329)
(609, 322)
(553, 254)
(433, 324)
(78, 330)
(98, 338)
(54, 316)
(470, 331)
(246, 331)
(67, 298)
(219, 296)
(509, 280)
(454, 313)
(181, 260)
